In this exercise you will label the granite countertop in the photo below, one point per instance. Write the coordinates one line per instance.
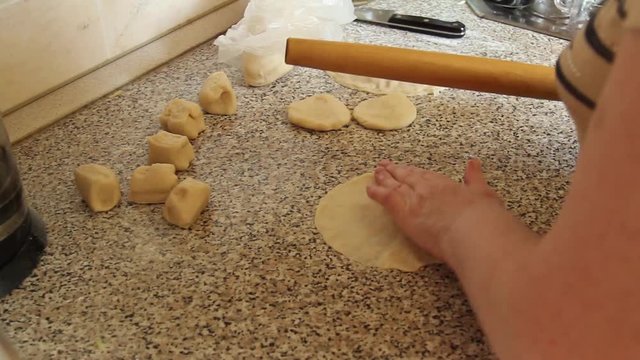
(253, 278)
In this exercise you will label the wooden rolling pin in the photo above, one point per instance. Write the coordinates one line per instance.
(425, 67)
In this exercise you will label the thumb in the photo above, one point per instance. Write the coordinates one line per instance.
(473, 175)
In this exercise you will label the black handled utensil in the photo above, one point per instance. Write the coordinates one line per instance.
(420, 24)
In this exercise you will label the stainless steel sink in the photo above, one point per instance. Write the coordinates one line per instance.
(533, 16)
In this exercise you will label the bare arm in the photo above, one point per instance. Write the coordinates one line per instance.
(575, 293)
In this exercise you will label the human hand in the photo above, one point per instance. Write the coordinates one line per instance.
(427, 205)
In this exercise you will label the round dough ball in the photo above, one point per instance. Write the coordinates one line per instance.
(217, 95)
(151, 184)
(362, 230)
(183, 117)
(98, 185)
(169, 148)
(387, 112)
(185, 202)
(322, 112)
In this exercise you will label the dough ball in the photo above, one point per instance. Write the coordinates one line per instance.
(263, 70)
(185, 202)
(382, 86)
(320, 112)
(98, 185)
(168, 148)
(217, 95)
(152, 184)
(183, 117)
(361, 229)
(387, 112)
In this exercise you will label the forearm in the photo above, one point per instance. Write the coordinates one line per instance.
(592, 256)
(572, 294)
(484, 237)
(489, 249)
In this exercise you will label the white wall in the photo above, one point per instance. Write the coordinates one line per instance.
(45, 43)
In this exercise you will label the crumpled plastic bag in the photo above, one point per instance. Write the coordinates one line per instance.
(257, 43)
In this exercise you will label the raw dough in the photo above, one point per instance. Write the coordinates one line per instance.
(382, 86)
(183, 117)
(168, 148)
(387, 112)
(321, 112)
(152, 184)
(359, 228)
(217, 95)
(98, 185)
(185, 202)
(263, 70)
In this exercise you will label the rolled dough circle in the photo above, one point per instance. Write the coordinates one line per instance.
(382, 86)
(322, 112)
(387, 112)
(362, 230)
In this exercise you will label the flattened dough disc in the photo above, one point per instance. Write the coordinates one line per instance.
(322, 112)
(386, 112)
(382, 86)
(359, 228)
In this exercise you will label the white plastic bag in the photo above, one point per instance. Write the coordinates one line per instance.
(258, 41)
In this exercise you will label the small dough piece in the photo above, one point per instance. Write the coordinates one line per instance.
(387, 112)
(185, 202)
(263, 70)
(98, 185)
(217, 95)
(183, 117)
(168, 148)
(382, 86)
(322, 112)
(361, 229)
(152, 184)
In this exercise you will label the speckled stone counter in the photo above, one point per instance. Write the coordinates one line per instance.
(253, 278)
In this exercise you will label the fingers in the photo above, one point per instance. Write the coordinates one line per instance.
(384, 178)
(390, 193)
(394, 200)
(412, 176)
(415, 177)
(473, 175)
(388, 184)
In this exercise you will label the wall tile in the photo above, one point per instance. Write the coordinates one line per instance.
(44, 43)
(129, 23)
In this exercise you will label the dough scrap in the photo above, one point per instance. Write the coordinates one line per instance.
(98, 185)
(387, 112)
(382, 86)
(183, 117)
(152, 184)
(217, 95)
(263, 70)
(361, 229)
(168, 148)
(322, 112)
(186, 202)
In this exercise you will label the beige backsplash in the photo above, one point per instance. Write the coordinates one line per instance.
(44, 43)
